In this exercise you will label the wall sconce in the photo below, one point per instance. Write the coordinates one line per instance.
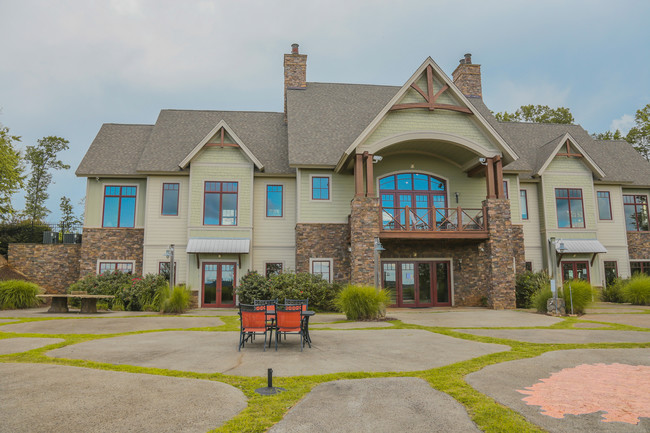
(457, 194)
(460, 265)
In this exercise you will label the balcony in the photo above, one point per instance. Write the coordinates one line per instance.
(433, 223)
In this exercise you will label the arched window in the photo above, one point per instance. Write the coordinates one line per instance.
(420, 192)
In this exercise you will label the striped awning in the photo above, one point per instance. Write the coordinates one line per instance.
(574, 246)
(218, 245)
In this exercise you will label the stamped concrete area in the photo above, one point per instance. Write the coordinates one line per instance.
(40, 398)
(563, 336)
(501, 382)
(111, 325)
(350, 325)
(17, 345)
(474, 317)
(639, 320)
(396, 404)
(331, 352)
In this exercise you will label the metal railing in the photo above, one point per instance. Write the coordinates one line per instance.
(441, 219)
(63, 234)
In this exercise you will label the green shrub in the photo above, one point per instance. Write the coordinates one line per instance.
(18, 294)
(302, 285)
(132, 293)
(363, 302)
(21, 232)
(582, 294)
(177, 302)
(527, 284)
(637, 290)
(540, 298)
(614, 291)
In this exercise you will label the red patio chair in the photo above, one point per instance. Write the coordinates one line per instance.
(288, 321)
(253, 322)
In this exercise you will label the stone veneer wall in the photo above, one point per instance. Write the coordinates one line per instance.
(111, 244)
(364, 228)
(324, 241)
(638, 244)
(518, 248)
(501, 250)
(53, 267)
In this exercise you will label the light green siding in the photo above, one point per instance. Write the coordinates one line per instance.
(153, 255)
(274, 231)
(532, 228)
(166, 229)
(95, 199)
(221, 155)
(612, 233)
(335, 210)
(472, 190)
(513, 196)
(424, 120)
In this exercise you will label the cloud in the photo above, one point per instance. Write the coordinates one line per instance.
(623, 124)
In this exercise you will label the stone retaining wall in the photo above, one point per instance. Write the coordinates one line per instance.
(52, 266)
(109, 244)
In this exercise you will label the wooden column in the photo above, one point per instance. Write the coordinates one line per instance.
(489, 178)
(370, 189)
(358, 175)
(498, 168)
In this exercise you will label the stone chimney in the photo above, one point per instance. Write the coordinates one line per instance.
(295, 72)
(467, 77)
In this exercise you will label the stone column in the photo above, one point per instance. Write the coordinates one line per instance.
(364, 228)
(500, 251)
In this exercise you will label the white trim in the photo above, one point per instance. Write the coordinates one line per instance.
(452, 88)
(590, 162)
(112, 261)
(322, 259)
(311, 185)
(224, 125)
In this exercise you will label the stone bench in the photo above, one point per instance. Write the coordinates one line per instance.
(60, 301)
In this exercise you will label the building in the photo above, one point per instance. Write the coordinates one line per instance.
(457, 201)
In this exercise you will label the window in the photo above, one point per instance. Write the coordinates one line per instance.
(124, 267)
(170, 199)
(220, 204)
(636, 212)
(570, 213)
(505, 189)
(273, 200)
(523, 200)
(611, 272)
(640, 268)
(163, 269)
(320, 188)
(604, 205)
(273, 269)
(119, 206)
(575, 271)
(529, 266)
(322, 267)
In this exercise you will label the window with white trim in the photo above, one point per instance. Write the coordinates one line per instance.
(124, 267)
(322, 267)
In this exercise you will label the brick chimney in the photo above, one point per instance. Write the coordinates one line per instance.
(467, 77)
(295, 72)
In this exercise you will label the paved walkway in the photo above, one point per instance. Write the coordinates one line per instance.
(563, 336)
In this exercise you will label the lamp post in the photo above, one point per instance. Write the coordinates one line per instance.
(377, 249)
(556, 246)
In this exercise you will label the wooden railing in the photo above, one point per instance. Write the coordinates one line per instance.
(439, 220)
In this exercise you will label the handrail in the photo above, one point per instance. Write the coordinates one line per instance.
(433, 219)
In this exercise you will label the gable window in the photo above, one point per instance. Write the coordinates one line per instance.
(636, 212)
(124, 267)
(640, 268)
(523, 200)
(611, 272)
(119, 206)
(170, 199)
(322, 267)
(604, 205)
(220, 203)
(273, 269)
(320, 188)
(570, 212)
(274, 200)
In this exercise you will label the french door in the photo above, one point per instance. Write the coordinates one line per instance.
(417, 283)
(575, 271)
(218, 283)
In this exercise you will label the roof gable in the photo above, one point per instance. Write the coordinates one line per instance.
(221, 130)
(430, 100)
(565, 145)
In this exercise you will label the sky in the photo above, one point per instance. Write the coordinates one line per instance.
(68, 66)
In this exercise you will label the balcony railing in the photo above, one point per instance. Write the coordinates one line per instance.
(433, 222)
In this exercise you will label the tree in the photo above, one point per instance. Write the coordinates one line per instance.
(11, 172)
(42, 158)
(537, 114)
(68, 218)
(609, 135)
(639, 135)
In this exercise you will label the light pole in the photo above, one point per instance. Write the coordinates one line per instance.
(378, 248)
(555, 248)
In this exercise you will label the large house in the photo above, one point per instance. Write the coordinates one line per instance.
(417, 188)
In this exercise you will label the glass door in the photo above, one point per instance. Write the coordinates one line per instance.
(218, 285)
(575, 271)
(417, 284)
